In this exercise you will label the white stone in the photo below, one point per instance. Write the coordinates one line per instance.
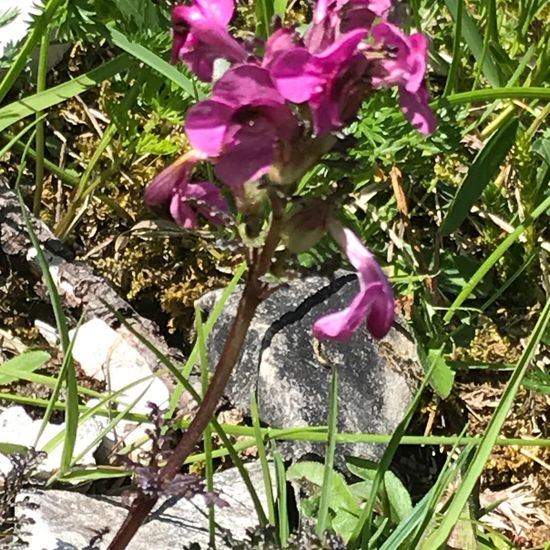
(17, 427)
(105, 355)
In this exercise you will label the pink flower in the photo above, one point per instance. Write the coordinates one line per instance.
(405, 66)
(172, 190)
(201, 36)
(241, 125)
(321, 79)
(374, 302)
(333, 18)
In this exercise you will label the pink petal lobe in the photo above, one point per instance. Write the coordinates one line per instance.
(247, 85)
(206, 125)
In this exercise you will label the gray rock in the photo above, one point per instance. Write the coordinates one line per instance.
(62, 520)
(289, 370)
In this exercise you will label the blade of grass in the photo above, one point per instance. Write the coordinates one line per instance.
(212, 318)
(480, 174)
(450, 84)
(490, 94)
(185, 385)
(460, 499)
(71, 408)
(472, 37)
(409, 530)
(152, 60)
(266, 473)
(31, 105)
(207, 436)
(488, 264)
(282, 504)
(40, 123)
(67, 358)
(39, 29)
(13, 140)
(264, 14)
(279, 7)
(324, 503)
(362, 530)
(28, 361)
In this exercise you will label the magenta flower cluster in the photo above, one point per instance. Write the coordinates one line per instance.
(275, 108)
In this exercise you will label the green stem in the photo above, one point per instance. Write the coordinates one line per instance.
(40, 123)
(490, 94)
(453, 70)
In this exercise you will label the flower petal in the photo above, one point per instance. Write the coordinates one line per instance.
(250, 156)
(182, 213)
(178, 174)
(247, 85)
(206, 125)
(417, 111)
(298, 75)
(342, 325)
(220, 10)
(374, 301)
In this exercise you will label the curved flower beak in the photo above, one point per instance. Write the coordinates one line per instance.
(374, 303)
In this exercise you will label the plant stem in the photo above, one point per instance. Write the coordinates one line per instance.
(253, 293)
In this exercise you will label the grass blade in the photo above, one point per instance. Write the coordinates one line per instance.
(207, 436)
(71, 403)
(480, 174)
(488, 264)
(282, 504)
(152, 60)
(439, 537)
(363, 528)
(18, 110)
(24, 363)
(455, 63)
(264, 14)
(326, 489)
(473, 39)
(268, 484)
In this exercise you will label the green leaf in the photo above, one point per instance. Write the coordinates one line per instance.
(480, 174)
(398, 497)
(264, 14)
(341, 496)
(442, 376)
(12, 448)
(279, 6)
(542, 148)
(18, 110)
(24, 363)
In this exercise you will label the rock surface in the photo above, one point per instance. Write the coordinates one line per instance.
(17, 427)
(290, 371)
(106, 355)
(55, 520)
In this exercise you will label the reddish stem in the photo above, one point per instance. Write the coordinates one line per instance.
(253, 293)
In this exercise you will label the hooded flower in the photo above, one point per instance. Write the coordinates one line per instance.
(333, 18)
(201, 36)
(405, 66)
(172, 190)
(324, 80)
(374, 302)
(240, 125)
